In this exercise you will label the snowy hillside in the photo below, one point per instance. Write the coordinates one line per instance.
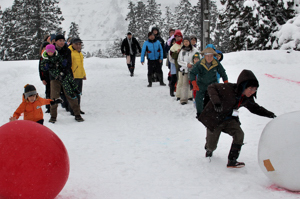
(138, 142)
(100, 22)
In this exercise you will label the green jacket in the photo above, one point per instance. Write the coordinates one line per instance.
(52, 64)
(207, 76)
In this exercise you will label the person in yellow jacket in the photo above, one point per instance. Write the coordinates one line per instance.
(77, 65)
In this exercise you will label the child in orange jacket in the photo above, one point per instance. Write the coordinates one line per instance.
(31, 105)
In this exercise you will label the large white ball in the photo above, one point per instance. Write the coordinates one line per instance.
(279, 151)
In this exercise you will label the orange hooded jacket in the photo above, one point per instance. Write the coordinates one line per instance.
(32, 111)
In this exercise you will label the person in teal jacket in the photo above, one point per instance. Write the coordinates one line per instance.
(155, 57)
(206, 72)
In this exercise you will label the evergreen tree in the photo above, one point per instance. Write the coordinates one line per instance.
(74, 33)
(233, 24)
(214, 18)
(168, 22)
(8, 21)
(153, 15)
(184, 12)
(251, 23)
(197, 20)
(114, 50)
(275, 13)
(142, 28)
(131, 17)
(31, 20)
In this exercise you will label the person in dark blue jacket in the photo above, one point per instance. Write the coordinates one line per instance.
(155, 57)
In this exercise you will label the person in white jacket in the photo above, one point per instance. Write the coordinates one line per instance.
(185, 61)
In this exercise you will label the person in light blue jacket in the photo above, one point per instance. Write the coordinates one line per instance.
(155, 57)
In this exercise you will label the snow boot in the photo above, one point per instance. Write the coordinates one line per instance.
(235, 164)
(208, 154)
(150, 81)
(233, 156)
(52, 120)
(78, 118)
(172, 90)
(131, 70)
(161, 80)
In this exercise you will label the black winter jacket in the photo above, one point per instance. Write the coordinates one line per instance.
(65, 53)
(230, 97)
(134, 45)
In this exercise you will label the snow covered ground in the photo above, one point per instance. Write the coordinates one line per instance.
(138, 142)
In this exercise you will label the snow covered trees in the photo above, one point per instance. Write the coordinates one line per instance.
(142, 16)
(25, 25)
(250, 23)
(184, 13)
(74, 30)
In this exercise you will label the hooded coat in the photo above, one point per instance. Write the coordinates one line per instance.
(160, 39)
(230, 97)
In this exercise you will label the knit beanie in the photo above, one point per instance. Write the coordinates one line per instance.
(187, 38)
(58, 37)
(193, 37)
(50, 48)
(196, 55)
(52, 36)
(29, 90)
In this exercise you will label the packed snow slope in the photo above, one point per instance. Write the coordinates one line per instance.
(138, 142)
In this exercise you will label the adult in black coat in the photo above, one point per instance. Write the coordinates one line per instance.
(129, 47)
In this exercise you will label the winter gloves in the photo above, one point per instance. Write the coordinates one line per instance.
(272, 115)
(56, 101)
(218, 108)
(195, 86)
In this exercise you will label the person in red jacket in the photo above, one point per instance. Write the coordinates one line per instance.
(31, 105)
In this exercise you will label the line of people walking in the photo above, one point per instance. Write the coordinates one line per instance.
(195, 76)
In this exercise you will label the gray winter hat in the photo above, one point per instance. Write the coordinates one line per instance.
(29, 90)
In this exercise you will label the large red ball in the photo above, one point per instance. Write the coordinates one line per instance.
(34, 163)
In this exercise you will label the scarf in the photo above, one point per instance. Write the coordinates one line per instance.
(130, 43)
(179, 42)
